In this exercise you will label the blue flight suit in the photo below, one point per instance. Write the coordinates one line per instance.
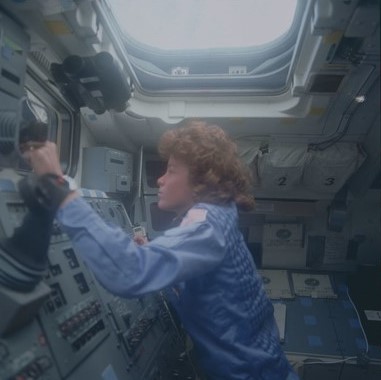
(209, 277)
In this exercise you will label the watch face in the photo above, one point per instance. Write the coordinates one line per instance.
(71, 182)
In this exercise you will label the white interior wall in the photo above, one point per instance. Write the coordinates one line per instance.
(87, 140)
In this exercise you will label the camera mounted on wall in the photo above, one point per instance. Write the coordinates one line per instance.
(96, 82)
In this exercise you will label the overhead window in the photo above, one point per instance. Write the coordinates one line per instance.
(218, 45)
(204, 24)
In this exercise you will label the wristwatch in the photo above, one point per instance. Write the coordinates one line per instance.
(71, 181)
(45, 192)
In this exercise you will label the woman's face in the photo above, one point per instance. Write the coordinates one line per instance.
(175, 190)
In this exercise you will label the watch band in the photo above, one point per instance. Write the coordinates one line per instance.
(44, 192)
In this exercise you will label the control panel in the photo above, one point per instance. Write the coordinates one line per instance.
(26, 355)
(73, 317)
(78, 319)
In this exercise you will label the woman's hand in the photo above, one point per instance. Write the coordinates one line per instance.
(43, 158)
(140, 240)
(140, 236)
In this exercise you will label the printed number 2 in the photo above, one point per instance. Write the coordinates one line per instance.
(282, 181)
(329, 181)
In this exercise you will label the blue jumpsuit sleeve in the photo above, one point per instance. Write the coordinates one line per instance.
(127, 269)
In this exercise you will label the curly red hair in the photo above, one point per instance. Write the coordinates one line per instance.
(216, 172)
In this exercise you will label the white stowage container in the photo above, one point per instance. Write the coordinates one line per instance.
(329, 169)
(281, 168)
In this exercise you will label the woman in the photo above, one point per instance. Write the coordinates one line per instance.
(204, 264)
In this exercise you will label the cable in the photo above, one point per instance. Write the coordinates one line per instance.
(178, 333)
(341, 371)
(327, 143)
(344, 361)
(346, 116)
(329, 362)
(359, 319)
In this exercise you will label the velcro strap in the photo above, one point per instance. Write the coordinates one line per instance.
(44, 192)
